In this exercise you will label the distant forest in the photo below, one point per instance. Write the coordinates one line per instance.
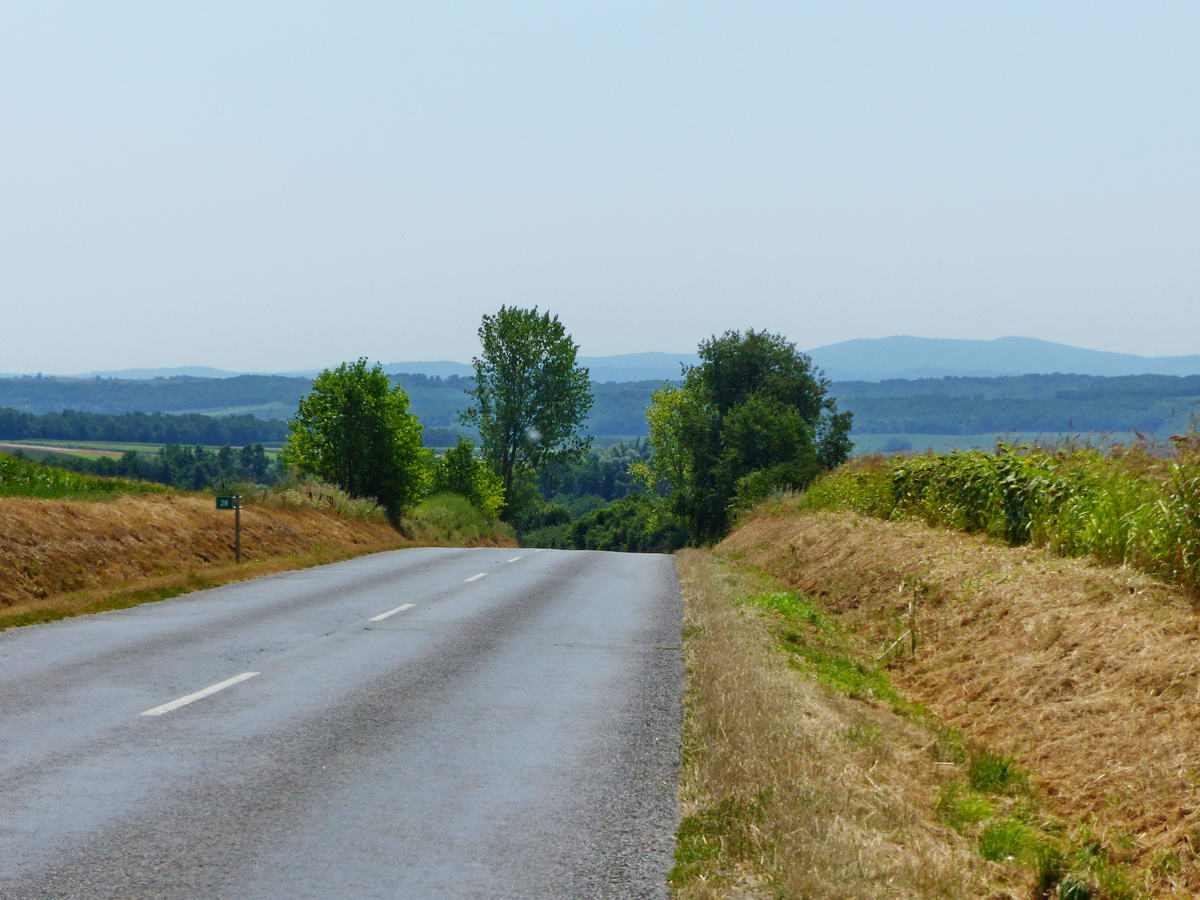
(150, 428)
(1053, 403)
(1152, 404)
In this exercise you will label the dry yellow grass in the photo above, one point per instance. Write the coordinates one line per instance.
(67, 556)
(1089, 675)
(791, 790)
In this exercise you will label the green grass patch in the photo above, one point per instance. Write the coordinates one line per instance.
(25, 478)
(995, 773)
(794, 607)
(961, 808)
(820, 647)
(864, 734)
(1007, 840)
(720, 833)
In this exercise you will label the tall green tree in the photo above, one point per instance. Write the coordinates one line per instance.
(354, 430)
(752, 417)
(530, 397)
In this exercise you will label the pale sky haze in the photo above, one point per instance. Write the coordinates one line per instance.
(285, 185)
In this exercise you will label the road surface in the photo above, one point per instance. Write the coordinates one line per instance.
(423, 723)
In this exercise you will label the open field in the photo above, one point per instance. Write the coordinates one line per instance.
(106, 448)
(26, 478)
(865, 444)
(274, 410)
(1084, 675)
(31, 447)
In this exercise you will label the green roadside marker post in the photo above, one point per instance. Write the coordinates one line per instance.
(234, 503)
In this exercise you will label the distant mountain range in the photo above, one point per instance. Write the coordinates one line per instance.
(624, 367)
(144, 374)
(877, 359)
(863, 359)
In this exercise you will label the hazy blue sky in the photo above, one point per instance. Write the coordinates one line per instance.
(280, 185)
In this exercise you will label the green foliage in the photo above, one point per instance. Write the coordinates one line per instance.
(755, 487)
(458, 471)
(25, 478)
(995, 773)
(452, 519)
(354, 430)
(530, 398)
(1121, 507)
(188, 468)
(632, 524)
(753, 405)
(600, 473)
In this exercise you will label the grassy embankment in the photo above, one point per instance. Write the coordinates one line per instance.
(1057, 696)
(804, 773)
(73, 544)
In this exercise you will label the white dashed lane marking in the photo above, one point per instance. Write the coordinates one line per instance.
(199, 695)
(391, 612)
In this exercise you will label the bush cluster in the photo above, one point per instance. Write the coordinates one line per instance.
(633, 524)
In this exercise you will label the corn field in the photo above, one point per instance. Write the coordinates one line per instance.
(22, 478)
(1124, 506)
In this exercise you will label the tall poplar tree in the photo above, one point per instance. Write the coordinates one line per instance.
(530, 397)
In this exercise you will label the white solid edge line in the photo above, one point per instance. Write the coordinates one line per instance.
(391, 612)
(199, 695)
(475, 577)
(514, 559)
(539, 549)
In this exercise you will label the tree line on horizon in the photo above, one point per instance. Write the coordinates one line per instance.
(753, 417)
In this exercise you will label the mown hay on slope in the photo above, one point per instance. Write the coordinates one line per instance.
(1089, 674)
(50, 547)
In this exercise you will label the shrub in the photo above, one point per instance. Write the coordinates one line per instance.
(310, 493)
(453, 519)
(459, 471)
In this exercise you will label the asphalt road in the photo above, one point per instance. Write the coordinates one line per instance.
(424, 723)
